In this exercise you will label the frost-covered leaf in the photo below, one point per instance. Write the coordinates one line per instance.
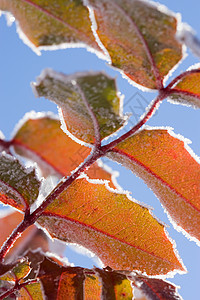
(89, 102)
(42, 140)
(187, 89)
(122, 233)
(158, 289)
(19, 187)
(20, 271)
(169, 169)
(50, 23)
(139, 37)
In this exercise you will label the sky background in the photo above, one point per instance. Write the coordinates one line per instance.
(19, 65)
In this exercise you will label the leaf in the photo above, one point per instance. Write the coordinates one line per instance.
(92, 287)
(134, 34)
(42, 140)
(31, 238)
(157, 289)
(20, 271)
(19, 187)
(115, 285)
(55, 281)
(89, 102)
(187, 89)
(169, 169)
(49, 23)
(31, 291)
(123, 234)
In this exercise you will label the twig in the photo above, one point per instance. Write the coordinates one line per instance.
(17, 287)
(182, 75)
(98, 152)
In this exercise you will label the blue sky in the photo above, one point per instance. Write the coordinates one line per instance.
(20, 65)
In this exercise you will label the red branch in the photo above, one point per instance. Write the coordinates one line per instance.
(98, 152)
(181, 76)
(17, 287)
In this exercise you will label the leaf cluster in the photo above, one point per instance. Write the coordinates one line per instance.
(70, 195)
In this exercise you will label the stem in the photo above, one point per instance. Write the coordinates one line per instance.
(17, 287)
(12, 238)
(29, 219)
(98, 152)
(182, 75)
(5, 145)
(163, 94)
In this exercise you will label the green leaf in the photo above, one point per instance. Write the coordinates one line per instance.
(49, 23)
(19, 187)
(20, 271)
(89, 102)
(122, 233)
(139, 38)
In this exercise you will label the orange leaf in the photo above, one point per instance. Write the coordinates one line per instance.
(47, 23)
(31, 238)
(123, 234)
(92, 288)
(187, 89)
(42, 140)
(164, 163)
(134, 34)
(31, 291)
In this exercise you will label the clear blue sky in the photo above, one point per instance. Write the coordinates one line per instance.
(19, 66)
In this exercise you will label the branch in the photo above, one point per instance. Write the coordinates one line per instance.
(5, 146)
(182, 75)
(98, 152)
(161, 96)
(17, 287)
(30, 219)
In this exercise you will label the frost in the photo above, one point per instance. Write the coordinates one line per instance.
(87, 96)
(187, 35)
(9, 18)
(68, 133)
(181, 230)
(114, 174)
(17, 182)
(26, 41)
(2, 136)
(94, 30)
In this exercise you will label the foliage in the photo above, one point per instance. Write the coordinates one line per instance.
(86, 206)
